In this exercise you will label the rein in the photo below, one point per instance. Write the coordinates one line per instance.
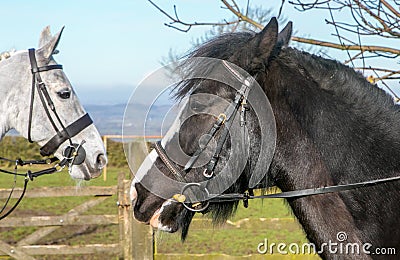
(203, 197)
(28, 176)
(293, 194)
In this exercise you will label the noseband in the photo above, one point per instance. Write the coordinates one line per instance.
(202, 195)
(66, 133)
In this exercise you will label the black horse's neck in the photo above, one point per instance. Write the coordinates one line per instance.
(333, 127)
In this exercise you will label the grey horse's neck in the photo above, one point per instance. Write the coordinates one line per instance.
(6, 54)
(3, 128)
(14, 92)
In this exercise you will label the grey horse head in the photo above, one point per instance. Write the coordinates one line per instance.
(15, 93)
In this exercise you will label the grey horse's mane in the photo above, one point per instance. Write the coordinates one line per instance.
(6, 54)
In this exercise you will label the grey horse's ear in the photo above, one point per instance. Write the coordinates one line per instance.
(47, 43)
(285, 35)
(45, 36)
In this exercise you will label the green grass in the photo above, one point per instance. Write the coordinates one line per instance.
(264, 219)
(271, 219)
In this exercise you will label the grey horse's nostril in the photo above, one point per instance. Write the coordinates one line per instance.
(101, 161)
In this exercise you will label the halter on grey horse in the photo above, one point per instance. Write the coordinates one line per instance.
(39, 102)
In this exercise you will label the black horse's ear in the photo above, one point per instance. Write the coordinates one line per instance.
(254, 55)
(265, 41)
(285, 35)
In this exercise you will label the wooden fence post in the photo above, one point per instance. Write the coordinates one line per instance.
(142, 235)
(125, 235)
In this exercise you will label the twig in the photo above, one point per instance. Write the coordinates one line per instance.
(338, 35)
(397, 99)
(353, 58)
(391, 8)
(369, 48)
(177, 20)
(245, 18)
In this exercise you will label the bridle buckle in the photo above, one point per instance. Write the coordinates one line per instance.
(59, 168)
(206, 174)
(198, 206)
(221, 118)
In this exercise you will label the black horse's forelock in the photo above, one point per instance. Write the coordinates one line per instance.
(221, 47)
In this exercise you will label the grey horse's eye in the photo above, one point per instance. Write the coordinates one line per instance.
(64, 94)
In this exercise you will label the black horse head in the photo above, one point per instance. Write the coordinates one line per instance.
(332, 127)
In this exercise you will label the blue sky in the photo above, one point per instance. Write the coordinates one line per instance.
(108, 47)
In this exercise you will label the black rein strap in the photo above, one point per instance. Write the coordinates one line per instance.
(28, 176)
(301, 193)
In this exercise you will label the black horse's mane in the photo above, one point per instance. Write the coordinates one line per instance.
(331, 75)
(343, 81)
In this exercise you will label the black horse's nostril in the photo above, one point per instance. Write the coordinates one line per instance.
(141, 217)
(101, 161)
(133, 194)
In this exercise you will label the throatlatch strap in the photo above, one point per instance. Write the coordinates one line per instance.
(70, 131)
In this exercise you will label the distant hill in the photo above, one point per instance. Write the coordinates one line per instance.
(109, 118)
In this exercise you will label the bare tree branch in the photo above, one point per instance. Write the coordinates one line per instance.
(369, 48)
(243, 18)
(377, 18)
(390, 7)
(318, 42)
(176, 20)
(364, 13)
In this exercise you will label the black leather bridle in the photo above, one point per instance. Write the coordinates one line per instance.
(66, 133)
(202, 194)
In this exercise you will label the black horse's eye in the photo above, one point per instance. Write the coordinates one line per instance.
(197, 106)
(64, 94)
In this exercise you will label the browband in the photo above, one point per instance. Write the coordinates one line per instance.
(45, 68)
(70, 131)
